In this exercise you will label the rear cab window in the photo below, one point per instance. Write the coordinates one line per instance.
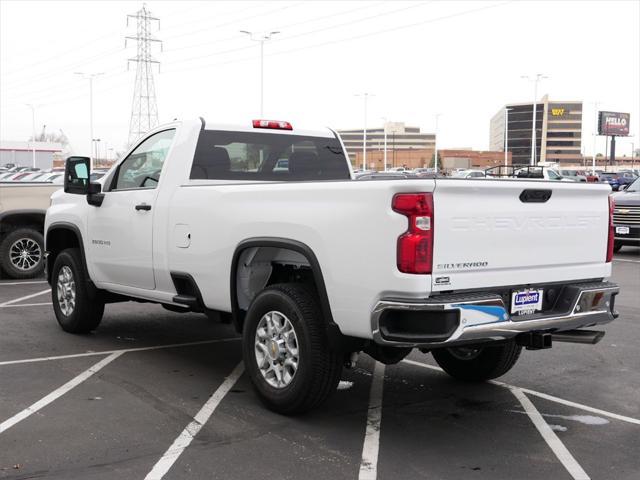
(257, 156)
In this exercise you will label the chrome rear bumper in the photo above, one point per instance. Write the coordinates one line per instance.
(447, 320)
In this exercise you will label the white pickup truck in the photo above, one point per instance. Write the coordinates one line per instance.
(312, 266)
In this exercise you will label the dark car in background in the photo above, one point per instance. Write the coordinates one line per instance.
(611, 178)
(626, 216)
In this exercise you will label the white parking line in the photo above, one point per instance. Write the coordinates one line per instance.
(369, 462)
(43, 402)
(123, 350)
(26, 297)
(26, 305)
(549, 436)
(22, 283)
(542, 395)
(625, 260)
(178, 446)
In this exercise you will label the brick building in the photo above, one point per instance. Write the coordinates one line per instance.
(448, 159)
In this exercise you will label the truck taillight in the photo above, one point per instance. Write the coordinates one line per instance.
(415, 246)
(610, 242)
(274, 124)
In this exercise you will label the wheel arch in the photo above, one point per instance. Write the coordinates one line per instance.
(22, 218)
(285, 244)
(61, 235)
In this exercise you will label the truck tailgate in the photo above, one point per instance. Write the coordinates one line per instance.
(488, 233)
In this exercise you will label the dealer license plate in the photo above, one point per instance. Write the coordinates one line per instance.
(524, 302)
(622, 230)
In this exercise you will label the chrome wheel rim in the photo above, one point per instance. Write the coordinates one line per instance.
(465, 353)
(66, 291)
(276, 349)
(25, 254)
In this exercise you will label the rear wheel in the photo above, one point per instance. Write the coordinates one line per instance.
(76, 311)
(478, 363)
(21, 253)
(286, 351)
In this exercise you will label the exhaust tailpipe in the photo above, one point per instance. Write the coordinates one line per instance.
(590, 337)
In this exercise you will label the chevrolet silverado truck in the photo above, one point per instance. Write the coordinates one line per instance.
(22, 211)
(626, 216)
(312, 266)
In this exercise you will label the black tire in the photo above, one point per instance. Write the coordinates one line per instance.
(617, 246)
(87, 311)
(481, 362)
(319, 367)
(29, 241)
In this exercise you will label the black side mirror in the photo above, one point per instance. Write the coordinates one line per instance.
(77, 172)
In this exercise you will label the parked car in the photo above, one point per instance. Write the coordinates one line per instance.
(576, 175)
(22, 212)
(313, 267)
(626, 216)
(611, 178)
(470, 174)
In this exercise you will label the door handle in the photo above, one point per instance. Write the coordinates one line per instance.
(143, 206)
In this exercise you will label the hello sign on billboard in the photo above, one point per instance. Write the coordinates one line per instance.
(613, 124)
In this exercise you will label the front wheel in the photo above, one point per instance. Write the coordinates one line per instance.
(76, 311)
(478, 363)
(286, 352)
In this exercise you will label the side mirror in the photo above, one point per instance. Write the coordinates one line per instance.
(76, 175)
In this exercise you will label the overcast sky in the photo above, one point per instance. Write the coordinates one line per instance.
(461, 59)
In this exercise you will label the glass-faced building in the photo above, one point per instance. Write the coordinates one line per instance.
(558, 131)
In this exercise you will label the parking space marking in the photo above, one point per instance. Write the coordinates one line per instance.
(123, 350)
(369, 462)
(57, 393)
(26, 305)
(549, 436)
(26, 297)
(23, 283)
(178, 446)
(546, 396)
(625, 260)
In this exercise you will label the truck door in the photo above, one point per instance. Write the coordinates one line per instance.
(121, 229)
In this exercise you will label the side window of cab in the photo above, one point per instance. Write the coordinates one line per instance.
(143, 166)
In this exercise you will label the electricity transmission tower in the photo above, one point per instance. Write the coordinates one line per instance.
(144, 110)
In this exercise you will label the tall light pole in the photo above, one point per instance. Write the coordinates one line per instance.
(535, 80)
(96, 149)
(260, 37)
(506, 135)
(384, 127)
(365, 96)
(33, 130)
(435, 145)
(90, 77)
(595, 137)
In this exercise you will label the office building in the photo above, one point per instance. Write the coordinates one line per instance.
(399, 138)
(558, 131)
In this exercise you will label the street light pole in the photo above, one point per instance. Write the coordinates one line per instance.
(384, 127)
(506, 135)
(262, 37)
(90, 77)
(365, 96)
(435, 145)
(535, 80)
(595, 137)
(33, 131)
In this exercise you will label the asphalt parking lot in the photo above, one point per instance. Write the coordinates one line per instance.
(154, 394)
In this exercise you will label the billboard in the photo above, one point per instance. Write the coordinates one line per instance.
(613, 123)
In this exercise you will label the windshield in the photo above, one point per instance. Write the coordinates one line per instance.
(635, 186)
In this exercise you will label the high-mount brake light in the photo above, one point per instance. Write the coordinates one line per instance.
(610, 241)
(273, 124)
(415, 246)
